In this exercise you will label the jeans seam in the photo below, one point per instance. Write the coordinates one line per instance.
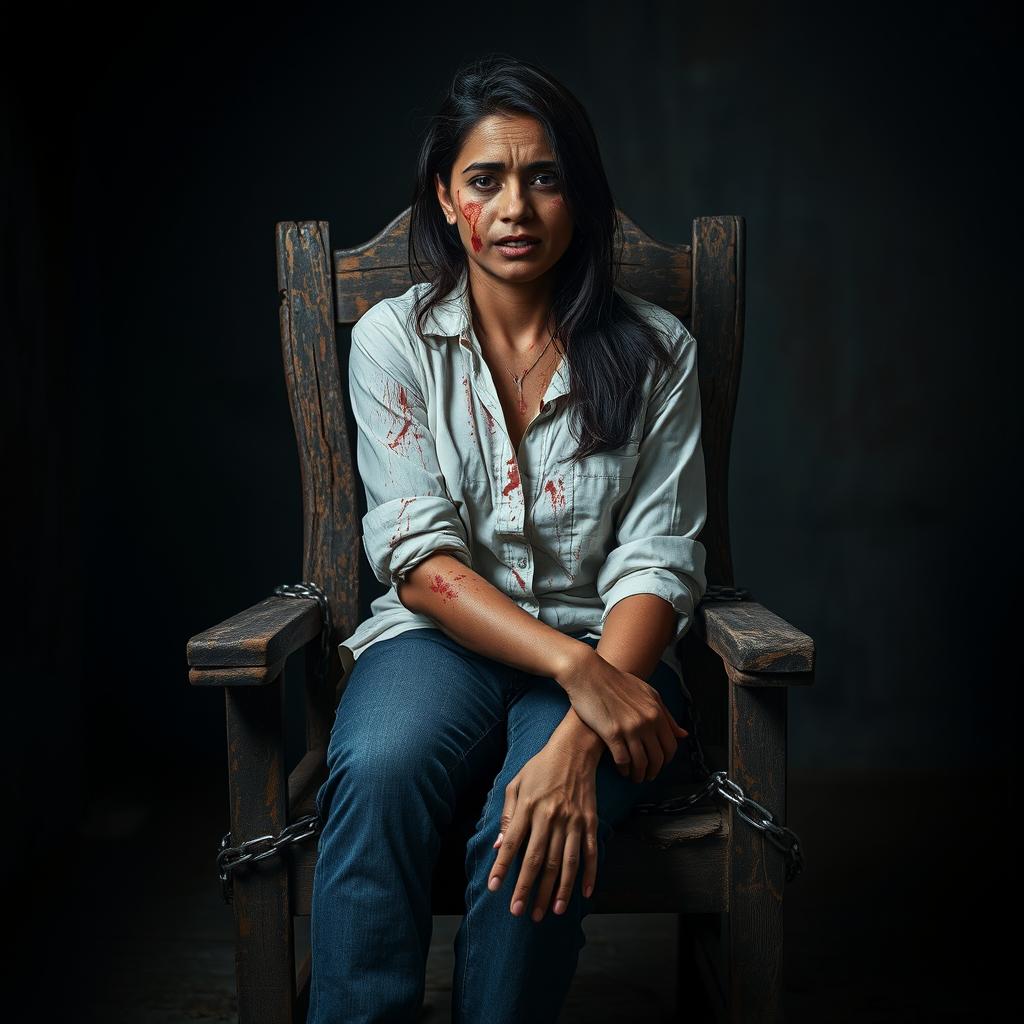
(462, 760)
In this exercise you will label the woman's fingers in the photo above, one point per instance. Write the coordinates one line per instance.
(590, 857)
(553, 864)
(666, 742)
(570, 868)
(678, 732)
(620, 755)
(508, 810)
(638, 759)
(534, 858)
(507, 851)
(676, 728)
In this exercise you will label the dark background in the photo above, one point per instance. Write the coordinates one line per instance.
(152, 478)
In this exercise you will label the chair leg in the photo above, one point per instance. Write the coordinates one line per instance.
(757, 875)
(258, 791)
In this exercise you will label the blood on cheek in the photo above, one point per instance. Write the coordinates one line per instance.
(471, 211)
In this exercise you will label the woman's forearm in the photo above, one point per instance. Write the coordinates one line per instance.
(483, 619)
(636, 633)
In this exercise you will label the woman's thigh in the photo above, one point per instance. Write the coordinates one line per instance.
(416, 701)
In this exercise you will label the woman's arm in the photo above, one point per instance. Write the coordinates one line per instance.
(657, 551)
(479, 616)
(482, 618)
(623, 710)
(636, 632)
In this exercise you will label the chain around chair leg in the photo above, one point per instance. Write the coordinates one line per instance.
(718, 784)
(230, 858)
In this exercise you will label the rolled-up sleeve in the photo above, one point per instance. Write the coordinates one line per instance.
(665, 508)
(409, 514)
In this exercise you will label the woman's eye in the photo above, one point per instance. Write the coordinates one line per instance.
(553, 183)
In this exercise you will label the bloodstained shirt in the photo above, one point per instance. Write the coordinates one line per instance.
(563, 541)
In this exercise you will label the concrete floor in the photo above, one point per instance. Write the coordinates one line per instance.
(892, 920)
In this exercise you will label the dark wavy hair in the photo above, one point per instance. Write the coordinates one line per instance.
(608, 346)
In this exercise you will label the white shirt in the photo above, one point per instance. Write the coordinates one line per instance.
(564, 542)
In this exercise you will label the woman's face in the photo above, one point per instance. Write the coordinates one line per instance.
(504, 182)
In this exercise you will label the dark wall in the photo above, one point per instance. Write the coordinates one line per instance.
(153, 474)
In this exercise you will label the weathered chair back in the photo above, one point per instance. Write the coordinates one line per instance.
(701, 283)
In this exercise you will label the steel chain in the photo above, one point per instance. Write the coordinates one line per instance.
(716, 784)
(231, 857)
(312, 591)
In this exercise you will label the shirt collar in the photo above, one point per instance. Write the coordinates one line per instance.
(451, 317)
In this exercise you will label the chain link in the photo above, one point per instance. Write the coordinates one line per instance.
(718, 784)
(230, 857)
(715, 784)
(313, 592)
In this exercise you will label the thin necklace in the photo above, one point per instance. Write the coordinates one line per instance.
(521, 377)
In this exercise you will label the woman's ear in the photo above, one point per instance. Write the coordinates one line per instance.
(444, 200)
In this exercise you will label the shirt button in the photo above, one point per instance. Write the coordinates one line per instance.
(522, 563)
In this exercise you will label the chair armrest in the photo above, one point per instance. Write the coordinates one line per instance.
(250, 648)
(752, 641)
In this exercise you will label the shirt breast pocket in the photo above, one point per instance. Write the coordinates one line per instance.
(600, 484)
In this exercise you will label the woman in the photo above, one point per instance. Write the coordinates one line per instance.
(537, 591)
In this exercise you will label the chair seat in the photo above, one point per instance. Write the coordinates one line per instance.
(655, 863)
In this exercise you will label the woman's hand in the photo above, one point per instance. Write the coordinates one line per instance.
(551, 808)
(625, 711)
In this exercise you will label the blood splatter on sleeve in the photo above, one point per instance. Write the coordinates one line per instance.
(409, 514)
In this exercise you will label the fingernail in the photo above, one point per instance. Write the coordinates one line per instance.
(497, 842)
(538, 914)
(559, 906)
(517, 907)
(494, 883)
(587, 890)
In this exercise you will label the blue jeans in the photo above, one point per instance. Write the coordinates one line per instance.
(423, 718)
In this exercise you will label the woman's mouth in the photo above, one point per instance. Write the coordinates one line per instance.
(516, 249)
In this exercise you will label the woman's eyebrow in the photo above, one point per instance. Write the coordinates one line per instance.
(499, 165)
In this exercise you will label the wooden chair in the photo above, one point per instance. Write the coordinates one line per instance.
(720, 875)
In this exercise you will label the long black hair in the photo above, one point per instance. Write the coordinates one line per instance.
(608, 345)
